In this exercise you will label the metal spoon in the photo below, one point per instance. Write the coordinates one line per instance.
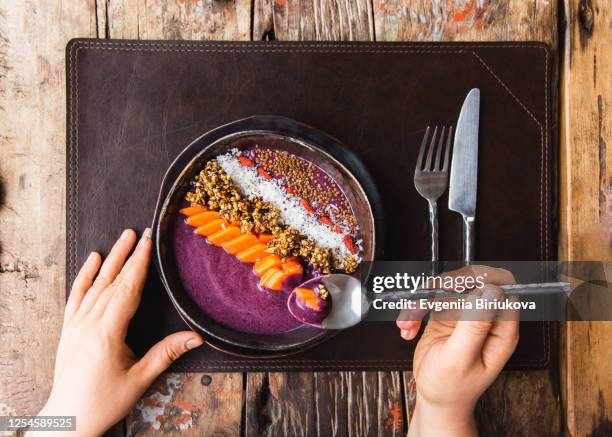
(350, 304)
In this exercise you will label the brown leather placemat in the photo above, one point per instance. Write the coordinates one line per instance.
(134, 105)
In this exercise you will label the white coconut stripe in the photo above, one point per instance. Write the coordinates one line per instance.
(292, 213)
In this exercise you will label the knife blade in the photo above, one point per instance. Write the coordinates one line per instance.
(464, 170)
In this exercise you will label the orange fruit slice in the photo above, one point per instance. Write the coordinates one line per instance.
(202, 218)
(292, 266)
(268, 274)
(308, 296)
(248, 248)
(239, 243)
(192, 210)
(276, 280)
(253, 253)
(220, 237)
(266, 263)
(264, 238)
(211, 227)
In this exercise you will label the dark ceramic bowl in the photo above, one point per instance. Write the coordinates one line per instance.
(326, 152)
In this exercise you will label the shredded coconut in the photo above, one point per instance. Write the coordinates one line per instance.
(292, 213)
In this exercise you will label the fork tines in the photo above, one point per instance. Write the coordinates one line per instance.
(438, 166)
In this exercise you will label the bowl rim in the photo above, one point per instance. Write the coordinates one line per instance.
(291, 131)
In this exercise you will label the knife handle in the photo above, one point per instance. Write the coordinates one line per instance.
(546, 288)
(468, 240)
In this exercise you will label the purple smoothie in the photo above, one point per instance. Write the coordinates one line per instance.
(226, 289)
(302, 311)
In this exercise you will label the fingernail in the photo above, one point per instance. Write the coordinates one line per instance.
(405, 333)
(125, 235)
(192, 343)
(146, 236)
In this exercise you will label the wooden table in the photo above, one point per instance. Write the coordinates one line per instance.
(575, 396)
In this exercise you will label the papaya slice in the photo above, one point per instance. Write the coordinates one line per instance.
(248, 248)
(268, 274)
(266, 263)
(308, 297)
(292, 266)
(192, 210)
(264, 238)
(211, 227)
(239, 243)
(202, 218)
(253, 253)
(220, 237)
(276, 280)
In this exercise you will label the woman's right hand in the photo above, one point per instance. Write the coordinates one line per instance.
(459, 355)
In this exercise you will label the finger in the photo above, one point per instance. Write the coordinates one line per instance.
(164, 353)
(500, 344)
(127, 288)
(408, 329)
(471, 332)
(503, 337)
(110, 268)
(509, 313)
(412, 318)
(409, 322)
(82, 283)
(410, 334)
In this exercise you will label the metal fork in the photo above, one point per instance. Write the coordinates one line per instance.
(431, 180)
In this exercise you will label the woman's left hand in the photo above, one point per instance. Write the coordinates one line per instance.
(97, 377)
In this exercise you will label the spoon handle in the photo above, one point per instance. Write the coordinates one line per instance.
(536, 289)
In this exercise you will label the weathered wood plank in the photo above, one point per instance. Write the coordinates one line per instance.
(193, 404)
(32, 140)
(521, 404)
(179, 19)
(324, 404)
(517, 404)
(313, 20)
(465, 20)
(488, 20)
(280, 404)
(409, 387)
(586, 188)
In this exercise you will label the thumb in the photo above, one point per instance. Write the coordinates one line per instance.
(164, 353)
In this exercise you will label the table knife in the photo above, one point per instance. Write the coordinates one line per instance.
(464, 170)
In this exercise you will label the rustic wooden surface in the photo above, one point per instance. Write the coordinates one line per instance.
(32, 192)
(324, 404)
(466, 20)
(586, 180)
(192, 404)
(32, 210)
